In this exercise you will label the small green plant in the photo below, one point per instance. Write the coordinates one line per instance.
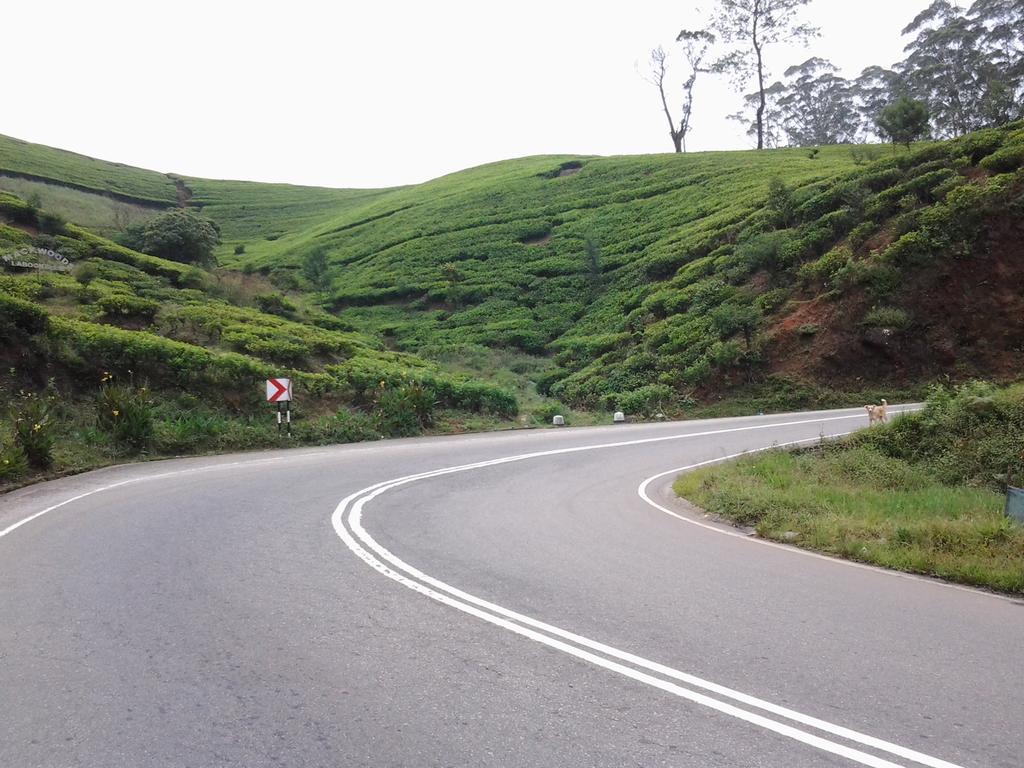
(543, 414)
(780, 202)
(647, 400)
(275, 304)
(807, 330)
(33, 430)
(863, 153)
(86, 272)
(887, 317)
(126, 414)
(239, 249)
(13, 462)
(404, 409)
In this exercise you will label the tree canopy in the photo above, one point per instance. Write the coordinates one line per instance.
(178, 235)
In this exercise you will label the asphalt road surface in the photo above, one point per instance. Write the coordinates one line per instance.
(510, 599)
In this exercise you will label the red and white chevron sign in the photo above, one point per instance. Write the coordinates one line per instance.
(279, 390)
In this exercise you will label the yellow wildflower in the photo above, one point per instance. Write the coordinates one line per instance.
(116, 413)
(36, 427)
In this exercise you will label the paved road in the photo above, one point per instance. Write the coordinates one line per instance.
(294, 608)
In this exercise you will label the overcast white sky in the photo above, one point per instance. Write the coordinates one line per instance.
(373, 94)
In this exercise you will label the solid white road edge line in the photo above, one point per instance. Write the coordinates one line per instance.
(473, 605)
(159, 476)
(724, 531)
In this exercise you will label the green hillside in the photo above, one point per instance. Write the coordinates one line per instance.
(129, 354)
(729, 281)
(697, 283)
(85, 173)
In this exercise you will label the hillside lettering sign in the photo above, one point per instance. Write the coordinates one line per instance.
(39, 259)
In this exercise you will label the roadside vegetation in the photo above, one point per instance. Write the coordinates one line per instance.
(665, 286)
(133, 355)
(922, 494)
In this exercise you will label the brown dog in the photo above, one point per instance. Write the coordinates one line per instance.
(877, 414)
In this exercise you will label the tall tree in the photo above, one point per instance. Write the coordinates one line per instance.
(817, 106)
(1002, 31)
(904, 121)
(875, 89)
(770, 129)
(947, 67)
(753, 26)
(696, 45)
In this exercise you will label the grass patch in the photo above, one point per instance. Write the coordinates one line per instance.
(921, 495)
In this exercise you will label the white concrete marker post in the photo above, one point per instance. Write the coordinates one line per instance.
(619, 417)
(558, 421)
(280, 391)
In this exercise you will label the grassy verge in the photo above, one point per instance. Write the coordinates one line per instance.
(923, 494)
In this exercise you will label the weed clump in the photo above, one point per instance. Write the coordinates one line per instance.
(126, 414)
(34, 430)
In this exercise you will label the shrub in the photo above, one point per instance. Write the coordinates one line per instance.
(127, 305)
(730, 319)
(240, 249)
(882, 280)
(647, 400)
(188, 432)
(981, 144)
(762, 250)
(698, 372)
(20, 319)
(914, 248)
(807, 330)
(780, 203)
(769, 301)
(33, 430)
(178, 235)
(191, 277)
(887, 317)
(51, 223)
(345, 426)
(86, 272)
(1006, 160)
(126, 414)
(275, 304)
(825, 269)
(397, 413)
(543, 414)
(861, 234)
(863, 153)
(13, 462)
(545, 380)
(725, 354)
(89, 348)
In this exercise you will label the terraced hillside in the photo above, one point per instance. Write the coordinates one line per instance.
(106, 352)
(652, 284)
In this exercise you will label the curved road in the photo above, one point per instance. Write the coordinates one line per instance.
(511, 599)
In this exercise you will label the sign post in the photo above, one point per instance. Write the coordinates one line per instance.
(280, 391)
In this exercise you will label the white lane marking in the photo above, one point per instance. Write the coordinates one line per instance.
(159, 476)
(495, 614)
(698, 698)
(642, 493)
(250, 462)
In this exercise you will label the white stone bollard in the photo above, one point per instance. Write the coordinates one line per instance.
(619, 417)
(558, 421)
